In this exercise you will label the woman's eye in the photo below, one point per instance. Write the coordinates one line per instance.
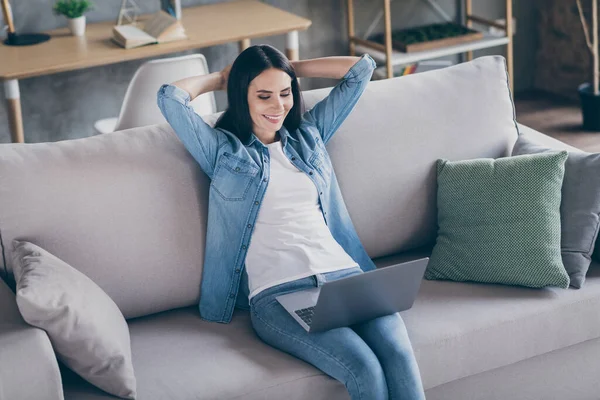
(268, 97)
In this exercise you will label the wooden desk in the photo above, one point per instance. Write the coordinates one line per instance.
(206, 25)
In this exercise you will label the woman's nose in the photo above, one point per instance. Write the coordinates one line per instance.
(278, 104)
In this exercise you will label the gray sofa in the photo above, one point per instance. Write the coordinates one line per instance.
(129, 210)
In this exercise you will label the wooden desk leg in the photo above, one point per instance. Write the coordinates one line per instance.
(244, 44)
(15, 118)
(291, 46)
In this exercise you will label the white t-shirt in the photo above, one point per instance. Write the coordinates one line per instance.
(290, 239)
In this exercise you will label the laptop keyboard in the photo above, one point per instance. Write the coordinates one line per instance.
(306, 314)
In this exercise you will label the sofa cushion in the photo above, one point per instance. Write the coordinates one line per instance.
(384, 153)
(86, 328)
(499, 221)
(475, 328)
(179, 356)
(579, 208)
(457, 330)
(126, 208)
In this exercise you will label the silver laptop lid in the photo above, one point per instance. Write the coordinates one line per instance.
(369, 295)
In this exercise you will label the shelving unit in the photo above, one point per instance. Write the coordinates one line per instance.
(386, 54)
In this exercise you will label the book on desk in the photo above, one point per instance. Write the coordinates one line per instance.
(159, 28)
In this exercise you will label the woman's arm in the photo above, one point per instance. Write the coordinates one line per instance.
(199, 138)
(197, 85)
(355, 73)
(325, 67)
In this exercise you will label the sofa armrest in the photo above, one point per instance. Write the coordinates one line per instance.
(545, 140)
(28, 365)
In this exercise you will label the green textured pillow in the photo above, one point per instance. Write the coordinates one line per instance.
(499, 221)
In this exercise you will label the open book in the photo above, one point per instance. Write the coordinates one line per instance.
(159, 28)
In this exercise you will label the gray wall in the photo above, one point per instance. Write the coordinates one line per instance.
(66, 105)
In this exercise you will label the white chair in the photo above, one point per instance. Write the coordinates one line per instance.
(139, 106)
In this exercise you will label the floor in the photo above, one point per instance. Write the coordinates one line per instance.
(555, 117)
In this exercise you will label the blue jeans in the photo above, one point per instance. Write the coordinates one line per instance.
(373, 359)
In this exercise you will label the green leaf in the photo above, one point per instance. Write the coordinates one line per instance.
(72, 8)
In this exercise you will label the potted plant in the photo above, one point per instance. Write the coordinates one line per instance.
(74, 10)
(590, 93)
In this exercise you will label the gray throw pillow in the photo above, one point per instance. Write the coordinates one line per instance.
(86, 328)
(579, 210)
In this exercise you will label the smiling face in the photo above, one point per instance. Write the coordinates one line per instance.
(270, 100)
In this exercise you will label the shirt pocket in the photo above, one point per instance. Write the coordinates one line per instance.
(233, 177)
(321, 163)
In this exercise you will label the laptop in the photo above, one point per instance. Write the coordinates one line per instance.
(357, 298)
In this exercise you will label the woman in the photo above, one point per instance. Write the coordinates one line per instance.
(276, 212)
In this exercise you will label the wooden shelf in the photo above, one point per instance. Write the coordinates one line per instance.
(399, 58)
(385, 54)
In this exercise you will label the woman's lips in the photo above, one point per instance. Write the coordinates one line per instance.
(273, 118)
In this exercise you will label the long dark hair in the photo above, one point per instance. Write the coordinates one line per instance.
(247, 66)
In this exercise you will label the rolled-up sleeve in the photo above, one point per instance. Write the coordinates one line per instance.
(329, 113)
(199, 138)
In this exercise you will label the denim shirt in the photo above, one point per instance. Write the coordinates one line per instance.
(239, 174)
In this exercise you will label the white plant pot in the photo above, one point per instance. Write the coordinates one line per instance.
(77, 25)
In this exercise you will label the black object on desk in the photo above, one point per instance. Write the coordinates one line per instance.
(23, 39)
